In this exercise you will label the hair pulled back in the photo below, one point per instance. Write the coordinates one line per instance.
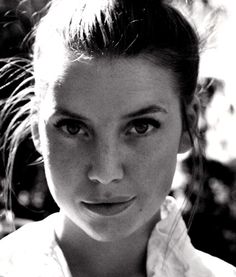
(114, 28)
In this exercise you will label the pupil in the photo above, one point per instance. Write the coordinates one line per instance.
(72, 129)
(141, 128)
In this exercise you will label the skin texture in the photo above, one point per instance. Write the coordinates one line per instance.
(95, 149)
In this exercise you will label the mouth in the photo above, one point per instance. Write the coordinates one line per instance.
(109, 207)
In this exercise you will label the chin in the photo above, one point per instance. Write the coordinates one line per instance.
(109, 232)
(108, 235)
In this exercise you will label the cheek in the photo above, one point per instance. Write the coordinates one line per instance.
(153, 183)
(152, 168)
(64, 162)
(154, 157)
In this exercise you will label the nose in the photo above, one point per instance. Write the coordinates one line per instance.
(106, 166)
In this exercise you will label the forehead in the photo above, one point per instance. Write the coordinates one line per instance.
(111, 85)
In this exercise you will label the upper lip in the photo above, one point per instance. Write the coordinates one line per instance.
(113, 200)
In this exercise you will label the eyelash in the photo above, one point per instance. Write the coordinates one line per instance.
(64, 124)
(151, 125)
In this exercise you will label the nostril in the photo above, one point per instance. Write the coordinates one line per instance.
(94, 181)
(105, 165)
(106, 174)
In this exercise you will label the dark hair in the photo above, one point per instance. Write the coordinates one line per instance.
(108, 28)
(123, 28)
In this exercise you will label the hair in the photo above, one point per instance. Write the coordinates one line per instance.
(86, 29)
(125, 28)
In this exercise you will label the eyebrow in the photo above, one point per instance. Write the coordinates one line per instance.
(143, 111)
(147, 110)
(62, 111)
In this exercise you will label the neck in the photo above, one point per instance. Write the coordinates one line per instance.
(125, 257)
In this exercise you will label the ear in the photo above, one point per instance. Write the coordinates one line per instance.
(190, 125)
(35, 130)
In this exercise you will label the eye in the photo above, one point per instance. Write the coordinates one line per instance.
(72, 127)
(143, 126)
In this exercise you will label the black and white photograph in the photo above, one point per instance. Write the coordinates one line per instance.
(145, 183)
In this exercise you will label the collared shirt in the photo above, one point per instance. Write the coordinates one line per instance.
(32, 251)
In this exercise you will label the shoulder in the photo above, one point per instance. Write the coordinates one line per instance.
(171, 253)
(216, 266)
(25, 246)
(27, 236)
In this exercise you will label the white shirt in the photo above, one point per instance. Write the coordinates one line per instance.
(32, 251)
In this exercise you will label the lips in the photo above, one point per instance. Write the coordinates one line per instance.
(108, 207)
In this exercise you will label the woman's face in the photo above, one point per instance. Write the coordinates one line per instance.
(109, 133)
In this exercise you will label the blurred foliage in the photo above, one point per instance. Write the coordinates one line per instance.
(213, 228)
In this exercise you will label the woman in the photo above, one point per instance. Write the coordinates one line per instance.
(114, 104)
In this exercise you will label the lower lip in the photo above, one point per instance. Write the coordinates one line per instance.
(108, 209)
